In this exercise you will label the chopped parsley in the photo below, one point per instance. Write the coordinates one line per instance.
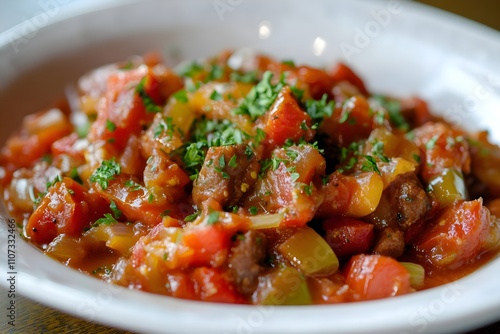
(215, 96)
(191, 70)
(370, 165)
(213, 217)
(253, 210)
(432, 142)
(151, 198)
(260, 98)
(318, 110)
(216, 72)
(220, 168)
(75, 176)
(192, 216)
(181, 96)
(108, 219)
(165, 126)
(110, 126)
(54, 181)
(232, 162)
(378, 151)
(149, 103)
(105, 173)
(248, 77)
(114, 209)
(308, 188)
(294, 176)
(132, 185)
(393, 108)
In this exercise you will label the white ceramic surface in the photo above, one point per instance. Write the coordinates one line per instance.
(451, 62)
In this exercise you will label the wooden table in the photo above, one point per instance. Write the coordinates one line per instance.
(35, 318)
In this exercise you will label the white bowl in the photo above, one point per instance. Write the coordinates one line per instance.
(401, 48)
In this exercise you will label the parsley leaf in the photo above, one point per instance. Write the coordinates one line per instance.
(181, 96)
(110, 126)
(132, 185)
(216, 72)
(393, 108)
(116, 212)
(249, 77)
(320, 109)
(432, 142)
(192, 216)
(213, 217)
(215, 96)
(149, 103)
(191, 70)
(370, 165)
(232, 162)
(108, 219)
(105, 173)
(260, 98)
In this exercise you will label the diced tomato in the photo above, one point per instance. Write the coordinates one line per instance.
(416, 111)
(286, 120)
(35, 139)
(348, 236)
(66, 145)
(317, 82)
(458, 235)
(131, 161)
(377, 276)
(180, 285)
(126, 109)
(444, 148)
(137, 204)
(66, 209)
(298, 198)
(210, 243)
(212, 286)
(163, 177)
(344, 73)
(352, 121)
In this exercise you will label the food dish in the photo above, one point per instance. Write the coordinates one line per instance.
(246, 180)
(354, 326)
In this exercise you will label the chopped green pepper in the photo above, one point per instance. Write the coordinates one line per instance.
(310, 253)
(284, 286)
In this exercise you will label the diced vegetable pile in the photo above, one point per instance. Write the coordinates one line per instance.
(243, 179)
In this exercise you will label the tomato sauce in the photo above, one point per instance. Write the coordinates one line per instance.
(265, 183)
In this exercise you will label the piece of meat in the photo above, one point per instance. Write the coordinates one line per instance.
(390, 243)
(408, 200)
(227, 174)
(245, 261)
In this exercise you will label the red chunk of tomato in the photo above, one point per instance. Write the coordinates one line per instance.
(67, 145)
(286, 120)
(343, 72)
(351, 122)
(36, 137)
(444, 147)
(66, 209)
(348, 236)
(377, 276)
(137, 204)
(209, 243)
(131, 100)
(212, 286)
(458, 235)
